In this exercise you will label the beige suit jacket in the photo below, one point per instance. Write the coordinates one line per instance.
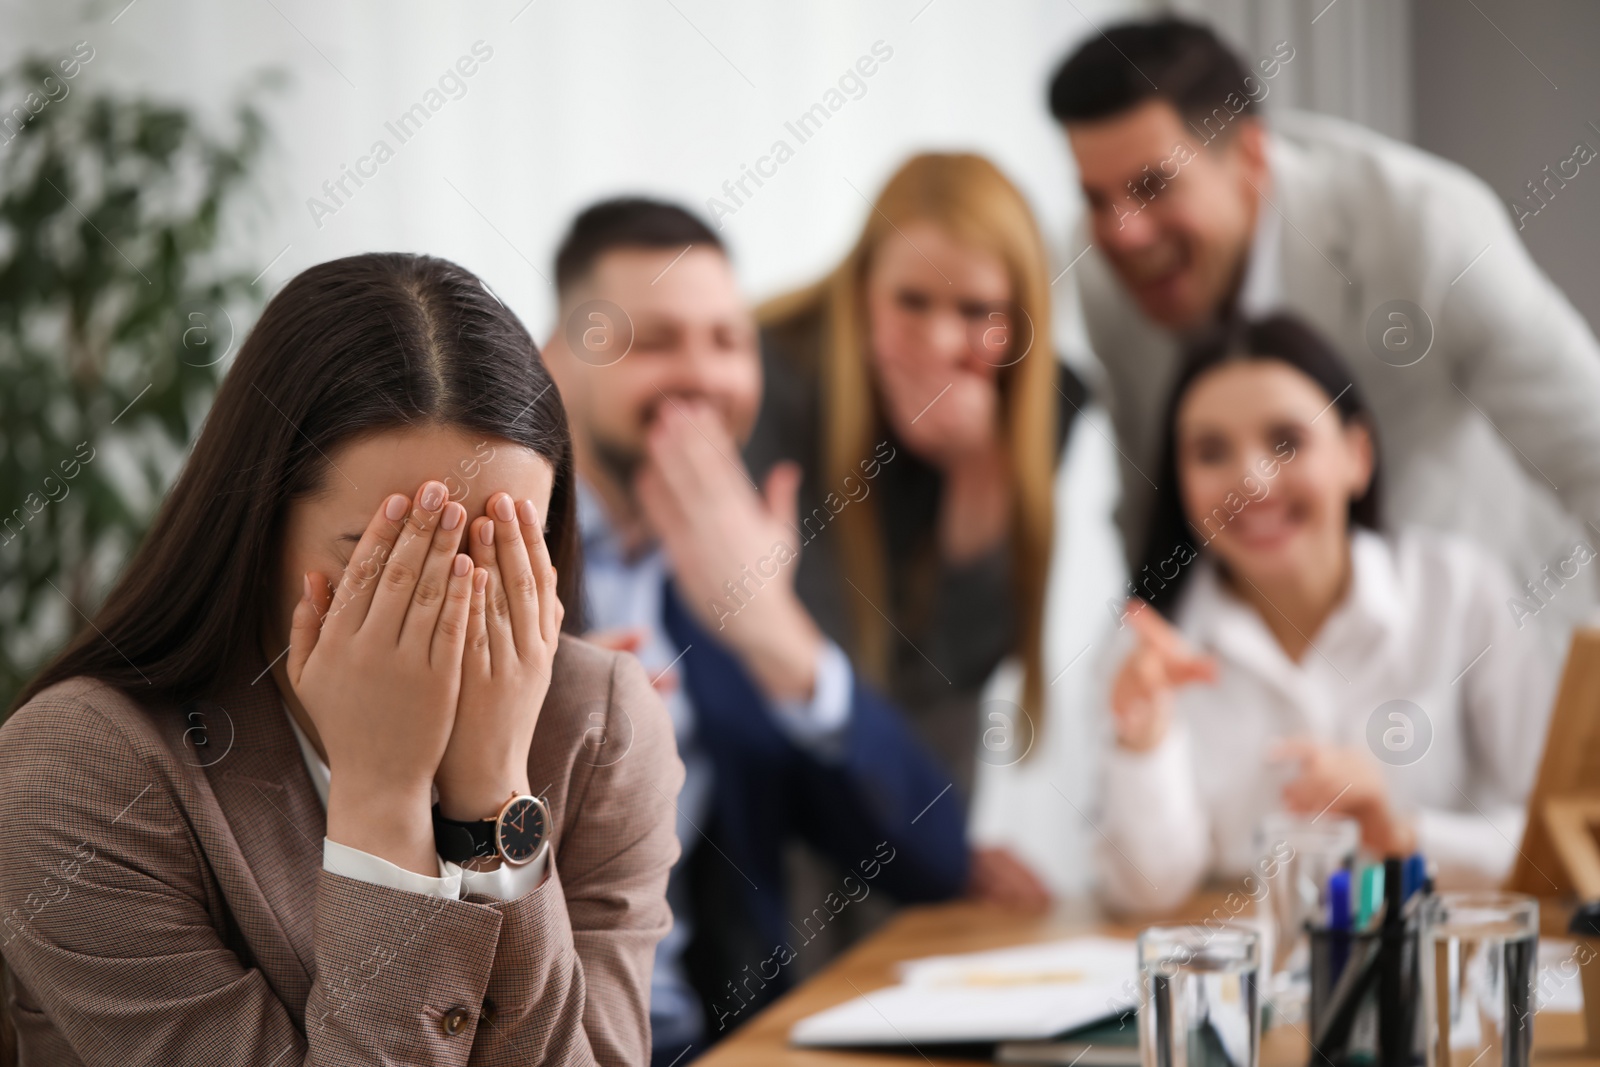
(1492, 433)
(163, 902)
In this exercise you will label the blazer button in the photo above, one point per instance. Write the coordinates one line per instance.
(455, 1020)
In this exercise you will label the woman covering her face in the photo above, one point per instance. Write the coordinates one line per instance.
(307, 788)
(1286, 656)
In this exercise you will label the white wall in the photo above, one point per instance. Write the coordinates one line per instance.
(671, 97)
(583, 100)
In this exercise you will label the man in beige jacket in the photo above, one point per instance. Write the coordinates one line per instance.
(1484, 380)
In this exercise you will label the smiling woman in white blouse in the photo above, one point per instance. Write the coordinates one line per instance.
(1286, 656)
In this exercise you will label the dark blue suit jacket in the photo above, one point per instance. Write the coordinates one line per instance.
(885, 805)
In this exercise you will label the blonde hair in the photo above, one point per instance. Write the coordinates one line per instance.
(968, 198)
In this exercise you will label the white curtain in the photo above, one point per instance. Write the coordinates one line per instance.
(1352, 57)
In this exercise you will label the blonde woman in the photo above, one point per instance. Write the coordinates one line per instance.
(916, 387)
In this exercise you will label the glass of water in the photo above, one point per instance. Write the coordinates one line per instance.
(1479, 961)
(1297, 856)
(1199, 1005)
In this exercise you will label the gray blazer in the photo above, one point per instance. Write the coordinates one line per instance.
(1494, 433)
(955, 624)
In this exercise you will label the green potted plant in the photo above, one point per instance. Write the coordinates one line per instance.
(116, 320)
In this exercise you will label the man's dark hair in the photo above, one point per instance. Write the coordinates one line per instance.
(1170, 59)
(626, 222)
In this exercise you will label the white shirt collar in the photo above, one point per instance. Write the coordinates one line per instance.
(1376, 597)
(1373, 609)
(1261, 290)
(314, 766)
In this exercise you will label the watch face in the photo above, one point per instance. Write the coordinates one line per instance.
(522, 829)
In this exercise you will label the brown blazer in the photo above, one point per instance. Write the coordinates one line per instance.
(163, 902)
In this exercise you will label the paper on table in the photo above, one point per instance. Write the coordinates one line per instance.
(1033, 992)
(1559, 988)
(1076, 961)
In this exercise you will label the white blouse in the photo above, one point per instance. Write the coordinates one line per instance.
(1427, 621)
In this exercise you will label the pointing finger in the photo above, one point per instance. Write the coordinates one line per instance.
(1153, 629)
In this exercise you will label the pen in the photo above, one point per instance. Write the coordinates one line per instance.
(1394, 1009)
(1416, 872)
(1371, 897)
(1338, 922)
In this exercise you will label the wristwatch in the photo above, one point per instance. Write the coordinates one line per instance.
(519, 834)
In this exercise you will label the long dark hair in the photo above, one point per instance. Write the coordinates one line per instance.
(1170, 542)
(347, 349)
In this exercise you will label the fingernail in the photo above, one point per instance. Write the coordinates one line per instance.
(527, 514)
(453, 514)
(306, 578)
(432, 496)
(503, 509)
(462, 565)
(395, 507)
(480, 580)
(486, 533)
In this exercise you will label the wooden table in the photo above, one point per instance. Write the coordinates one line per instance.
(938, 929)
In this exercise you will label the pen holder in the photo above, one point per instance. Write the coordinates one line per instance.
(1365, 995)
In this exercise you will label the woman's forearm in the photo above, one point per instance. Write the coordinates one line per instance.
(1153, 834)
(394, 823)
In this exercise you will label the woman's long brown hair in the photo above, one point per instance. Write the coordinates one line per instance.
(348, 348)
(966, 196)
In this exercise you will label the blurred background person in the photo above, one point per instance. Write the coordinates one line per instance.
(1483, 379)
(1277, 625)
(691, 565)
(117, 331)
(917, 389)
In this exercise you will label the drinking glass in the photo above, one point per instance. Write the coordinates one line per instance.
(1479, 960)
(1199, 1005)
(1297, 856)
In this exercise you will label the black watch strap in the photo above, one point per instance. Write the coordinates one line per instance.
(459, 842)
(518, 834)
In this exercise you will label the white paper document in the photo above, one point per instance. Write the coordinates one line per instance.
(1032, 992)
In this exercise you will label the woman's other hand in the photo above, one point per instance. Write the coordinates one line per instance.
(1346, 781)
(512, 632)
(376, 663)
(1000, 877)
